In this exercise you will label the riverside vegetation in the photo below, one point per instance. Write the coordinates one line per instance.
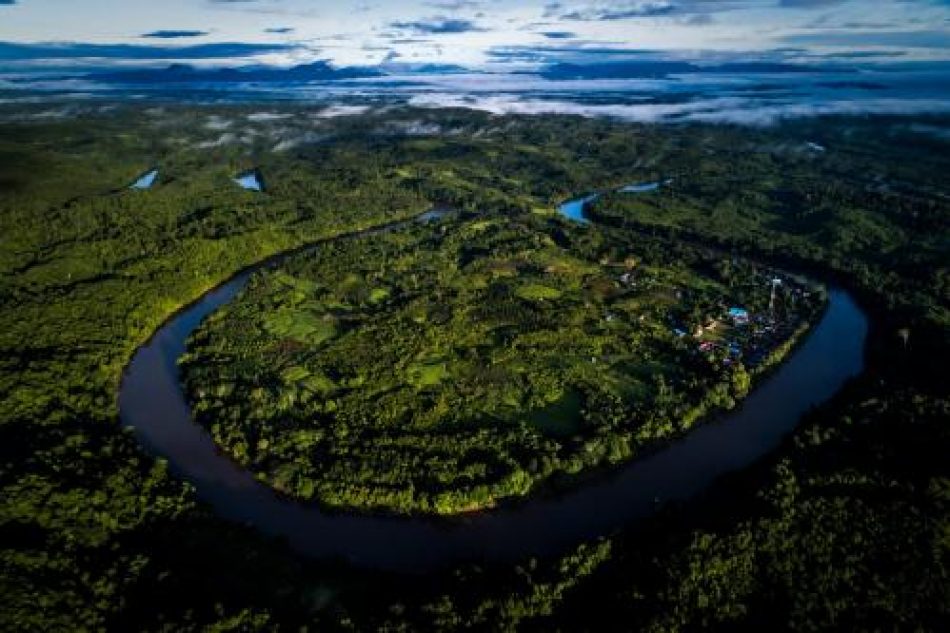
(441, 369)
(845, 526)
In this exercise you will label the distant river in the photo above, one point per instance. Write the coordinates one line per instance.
(152, 402)
(573, 209)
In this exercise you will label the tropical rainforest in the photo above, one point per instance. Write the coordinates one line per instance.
(845, 526)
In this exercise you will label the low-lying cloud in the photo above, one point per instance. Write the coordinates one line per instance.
(721, 110)
(338, 110)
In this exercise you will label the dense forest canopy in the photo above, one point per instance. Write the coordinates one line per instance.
(845, 526)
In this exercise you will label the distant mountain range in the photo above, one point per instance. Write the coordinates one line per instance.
(184, 73)
(324, 71)
(660, 69)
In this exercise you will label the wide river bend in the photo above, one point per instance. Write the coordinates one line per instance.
(152, 402)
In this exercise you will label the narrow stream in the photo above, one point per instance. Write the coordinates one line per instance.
(145, 181)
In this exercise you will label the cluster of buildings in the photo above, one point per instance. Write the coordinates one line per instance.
(739, 333)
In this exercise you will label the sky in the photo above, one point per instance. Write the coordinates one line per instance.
(475, 33)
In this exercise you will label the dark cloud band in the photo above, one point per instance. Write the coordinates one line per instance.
(14, 51)
(437, 26)
(174, 34)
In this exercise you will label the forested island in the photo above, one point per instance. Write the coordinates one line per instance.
(844, 526)
(445, 368)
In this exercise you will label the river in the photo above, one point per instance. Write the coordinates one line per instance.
(153, 403)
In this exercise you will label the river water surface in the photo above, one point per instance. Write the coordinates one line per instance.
(145, 181)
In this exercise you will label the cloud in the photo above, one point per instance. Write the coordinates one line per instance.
(228, 138)
(266, 117)
(288, 142)
(622, 11)
(454, 5)
(299, 8)
(559, 35)
(692, 12)
(280, 30)
(861, 54)
(808, 4)
(932, 38)
(697, 19)
(412, 128)
(841, 54)
(582, 52)
(552, 9)
(218, 123)
(437, 26)
(171, 34)
(15, 51)
(338, 110)
(729, 110)
(936, 131)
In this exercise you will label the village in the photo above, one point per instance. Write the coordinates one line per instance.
(759, 314)
(750, 330)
